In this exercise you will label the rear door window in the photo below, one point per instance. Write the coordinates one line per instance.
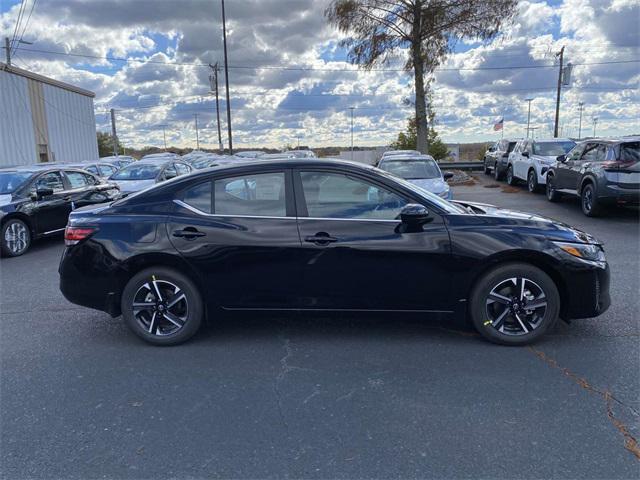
(51, 180)
(255, 195)
(107, 170)
(77, 179)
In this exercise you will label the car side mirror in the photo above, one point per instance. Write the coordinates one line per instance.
(43, 192)
(505, 155)
(561, 158)
(447, 175)
(414, 214)
(525, 154)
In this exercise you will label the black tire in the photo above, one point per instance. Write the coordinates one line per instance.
(15, 239)
(589, 202)
(496, 172)
(511, 180)
(487, 315)
(171, 325)
(532, 181)
(487, 170)
(552, 194)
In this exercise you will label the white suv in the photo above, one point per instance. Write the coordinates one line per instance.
(530, 160)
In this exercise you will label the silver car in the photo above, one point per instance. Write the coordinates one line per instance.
(421, 170)
(145, 173)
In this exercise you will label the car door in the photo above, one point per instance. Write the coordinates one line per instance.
(240, 233)
(575, 167)
(565, 178)
(52, 211)
(82, 189)
(521, 160)
(356, 254)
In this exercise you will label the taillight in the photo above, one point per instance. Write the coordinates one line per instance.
(617, 164)
(73, 235)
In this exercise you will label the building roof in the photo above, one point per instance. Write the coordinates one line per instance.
(40, 78)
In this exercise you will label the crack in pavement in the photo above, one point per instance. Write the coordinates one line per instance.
(630, 443)
(285, 368)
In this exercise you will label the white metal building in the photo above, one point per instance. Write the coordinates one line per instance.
(44, 120)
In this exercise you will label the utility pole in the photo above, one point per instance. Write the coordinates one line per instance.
(164, 135)
(226, 77)
(351, 108)
(560, 55)
(213, 80)
(528, 115)
(298, 142)
(581, 105)
(7, 48)
(197, 136)
(595, 123)
(114, 136)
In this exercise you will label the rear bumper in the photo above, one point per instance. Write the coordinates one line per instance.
(620, 195)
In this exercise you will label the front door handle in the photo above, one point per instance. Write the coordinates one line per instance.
(320, 238)
(189, 233)
(67, 198)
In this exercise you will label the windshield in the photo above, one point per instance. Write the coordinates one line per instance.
(412, 169)
(552, 149)
(10, 181)
(137, 172)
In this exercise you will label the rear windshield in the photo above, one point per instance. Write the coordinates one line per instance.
(552, 149)
(630, 152)
(412, 169)
(135, 171)
(10, 181)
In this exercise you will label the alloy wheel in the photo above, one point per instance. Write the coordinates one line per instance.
(16, 237)
(160, 307)
(516, 306)
(587, 199)
(532, 182)
(510, 175)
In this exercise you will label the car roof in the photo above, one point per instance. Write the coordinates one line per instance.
(613, 140)
(408, 156)
(551, 140)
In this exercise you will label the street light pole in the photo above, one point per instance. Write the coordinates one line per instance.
(528, 115)
(197, 136)
(226, 77)
(213, 80)
(581, 104)
(595, 123)
(560, 54)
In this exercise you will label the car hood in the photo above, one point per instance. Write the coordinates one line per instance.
(129, 186)
(545, 158)
(535, 224)
(5, 199)
(433, 185)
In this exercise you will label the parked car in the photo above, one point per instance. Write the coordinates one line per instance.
(330, 232)
(99, 169)
(144, 173)
(249, 154)
(275, 156)
(35, 201)
(530, 160)
(496, 157)
(161, 156)
(302, 153)
(118, 160)
(421, 170)
(390, 153)
(601, 172)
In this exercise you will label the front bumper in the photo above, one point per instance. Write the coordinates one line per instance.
(587, 293)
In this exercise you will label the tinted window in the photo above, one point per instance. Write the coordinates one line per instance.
(591, 153)
(92, 169)
(257, 195)
(106, 170)
(138, 171)
(552, 149)
(575, 153)
(77, 179)
(10, 181)
(199, 197)
(334, 195)
(50, 180)
(630, 152)
(182, 169)
(412, 169)
(170, 172)
(511, 146)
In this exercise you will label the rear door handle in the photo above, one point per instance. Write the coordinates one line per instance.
(189, 233)
(320, 238)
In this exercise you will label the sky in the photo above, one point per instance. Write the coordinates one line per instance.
(290, 81)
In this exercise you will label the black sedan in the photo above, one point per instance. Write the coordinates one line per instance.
(35, 201)
(325, 235)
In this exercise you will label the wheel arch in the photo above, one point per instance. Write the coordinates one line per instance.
(585, 180)
(531, 257)
(20, 216)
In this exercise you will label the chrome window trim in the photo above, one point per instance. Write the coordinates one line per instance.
(217, 215)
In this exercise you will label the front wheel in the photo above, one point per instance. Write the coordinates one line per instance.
(162, 306)
(16, 238)
(552, 194)
(511, 180)
(514, 304)
(532, 181)
(487, 170)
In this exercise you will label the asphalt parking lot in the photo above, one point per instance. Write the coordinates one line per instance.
(317, 396)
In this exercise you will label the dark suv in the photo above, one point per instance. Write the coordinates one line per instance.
(600, 171)
(497, 157)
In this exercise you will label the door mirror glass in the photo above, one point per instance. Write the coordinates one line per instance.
(447, 175)
(561, 158)
(525, 154)
(414, 214)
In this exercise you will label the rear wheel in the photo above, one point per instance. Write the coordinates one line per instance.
(532, 181)
(589, 200)
(514, 304)
(511, 180)
(162, 306)
(16, 238)
(496, 173)
(552, 194)
(487, 170)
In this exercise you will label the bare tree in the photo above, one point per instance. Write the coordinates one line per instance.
(424, 31)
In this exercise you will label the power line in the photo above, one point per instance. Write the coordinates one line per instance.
(26, 24)
(316, 69)
(18, 21)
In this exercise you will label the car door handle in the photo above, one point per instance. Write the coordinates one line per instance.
(189, 233)
(320, 238)
(67, 198)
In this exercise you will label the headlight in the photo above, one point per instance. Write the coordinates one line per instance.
(585, 251)
(444, 193)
